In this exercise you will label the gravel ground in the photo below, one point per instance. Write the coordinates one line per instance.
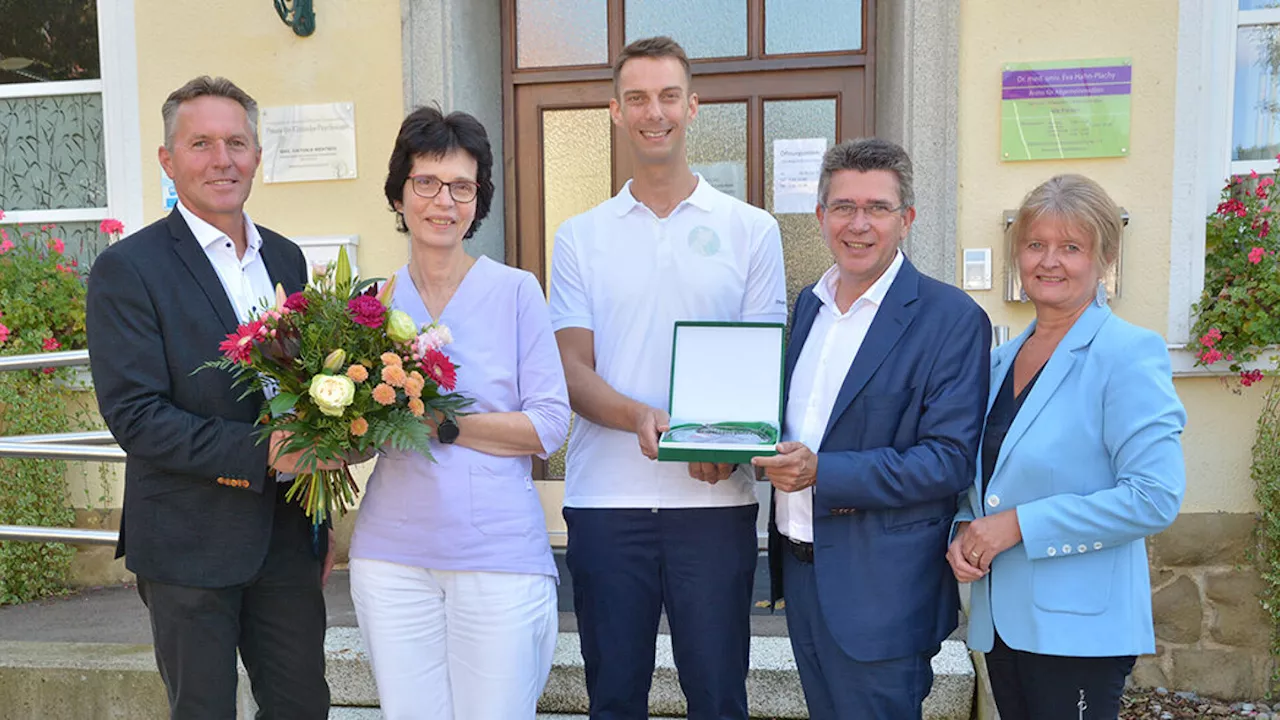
(1162, 704)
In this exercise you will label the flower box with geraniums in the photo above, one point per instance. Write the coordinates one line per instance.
(1238, 324)
(42, 293)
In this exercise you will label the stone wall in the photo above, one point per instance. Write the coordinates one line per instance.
(1211, 632)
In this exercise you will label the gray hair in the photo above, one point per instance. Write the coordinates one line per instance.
(1082, 204)
(200, 87)
(865, 155)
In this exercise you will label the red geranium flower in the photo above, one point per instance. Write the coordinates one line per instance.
(437, 366)
(366, 311)
(51, 344)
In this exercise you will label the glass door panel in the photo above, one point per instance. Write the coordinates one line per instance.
(687, 22)
(717, 146)
(576, 167)
(811, 26)
(552, 33)
(804, 251)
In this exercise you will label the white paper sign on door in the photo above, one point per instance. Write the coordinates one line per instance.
(797, 162)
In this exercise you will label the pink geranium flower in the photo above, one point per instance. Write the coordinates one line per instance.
(6, 245)
(1256, 254)
(111, 226)
(51, 344)
(57, 245)
(4, 333)
(367, 311)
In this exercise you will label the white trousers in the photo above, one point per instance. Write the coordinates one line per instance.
(451, 645)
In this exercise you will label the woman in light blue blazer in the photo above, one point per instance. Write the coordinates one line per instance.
(1081, 459)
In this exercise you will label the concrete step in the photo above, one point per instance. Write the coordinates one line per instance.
(773, 687)
(70, 681)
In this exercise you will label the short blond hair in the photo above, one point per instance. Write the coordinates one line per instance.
(658, 47)
(1081, 203)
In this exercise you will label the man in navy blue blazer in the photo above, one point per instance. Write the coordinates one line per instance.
(886, 384)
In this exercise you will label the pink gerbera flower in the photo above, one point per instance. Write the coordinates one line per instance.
(437, 366)
(239, 345)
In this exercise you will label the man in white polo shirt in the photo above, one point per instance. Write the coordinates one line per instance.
(644, 535)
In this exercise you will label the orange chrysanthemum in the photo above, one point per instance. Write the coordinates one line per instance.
(417, 407)
(394, 375)
(384, 394)
(359, 426)
(414, 384)
(390, 358)
(358, 373)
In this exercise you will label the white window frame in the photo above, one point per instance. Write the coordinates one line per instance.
(121, 136)
(1202, 154)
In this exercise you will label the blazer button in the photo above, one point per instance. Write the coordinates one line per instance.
(1051, 552)
(1066, 549)
(1082, 548)
(993, 501)
(1097, 546)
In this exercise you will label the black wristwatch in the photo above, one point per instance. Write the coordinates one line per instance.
(447, 431)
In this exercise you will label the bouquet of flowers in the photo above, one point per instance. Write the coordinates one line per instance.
(343, 374)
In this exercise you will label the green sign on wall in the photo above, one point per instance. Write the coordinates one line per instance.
(1065, 109)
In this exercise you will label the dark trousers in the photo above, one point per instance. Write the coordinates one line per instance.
(837, 687)
(698, 563)
(1031, 686)
(276, 621)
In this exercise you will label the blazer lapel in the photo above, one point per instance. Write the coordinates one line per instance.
(193, 256)
(1055, 371)
(892, 319)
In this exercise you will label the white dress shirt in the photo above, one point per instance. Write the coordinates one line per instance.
(829, 349)
(245, 279)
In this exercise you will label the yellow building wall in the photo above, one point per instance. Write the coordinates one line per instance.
(995, 32)
(353, 56)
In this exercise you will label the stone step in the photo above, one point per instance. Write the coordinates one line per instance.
(773, 687)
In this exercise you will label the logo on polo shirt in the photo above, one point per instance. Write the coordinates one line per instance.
(704, 241)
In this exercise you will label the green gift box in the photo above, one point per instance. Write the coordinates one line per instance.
(726, 392)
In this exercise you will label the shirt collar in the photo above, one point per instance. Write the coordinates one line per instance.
(825, 288)
(207, 234)
(703, 198)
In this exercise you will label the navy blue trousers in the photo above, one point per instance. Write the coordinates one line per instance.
(697, 563)
(837, 687)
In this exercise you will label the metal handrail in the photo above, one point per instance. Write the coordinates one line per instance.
(74, 536)
(58, 446)
(66, 358)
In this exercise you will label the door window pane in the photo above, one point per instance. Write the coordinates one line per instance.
(45, 41)
(1255, 132)
(552, 33)
(804, 252)
(577, 168)
(717, 147)
(1259, 4)
(51, 153)
(687, 22)
(810, 26)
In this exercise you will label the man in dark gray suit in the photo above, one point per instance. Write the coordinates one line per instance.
(223, 562)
